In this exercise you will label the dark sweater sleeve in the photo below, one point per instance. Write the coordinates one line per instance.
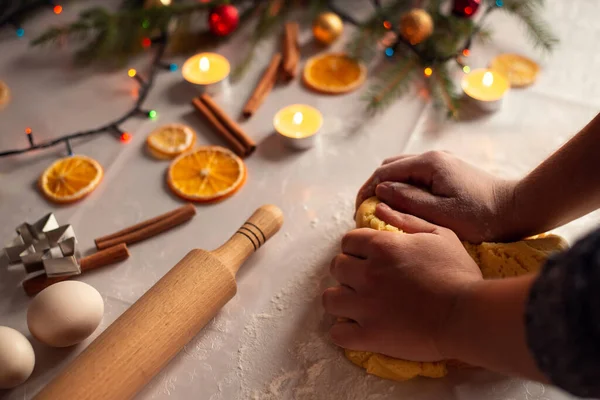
(563, 318)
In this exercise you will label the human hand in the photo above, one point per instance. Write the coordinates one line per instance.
(398, 290)
(445, 190)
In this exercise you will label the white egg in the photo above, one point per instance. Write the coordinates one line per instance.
(65, 313)
(16, 358)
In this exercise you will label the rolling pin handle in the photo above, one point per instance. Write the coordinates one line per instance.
(260, 227)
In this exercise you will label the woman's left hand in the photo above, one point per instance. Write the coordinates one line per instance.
(398, 291)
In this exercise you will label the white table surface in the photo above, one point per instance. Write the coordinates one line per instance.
(270, 341)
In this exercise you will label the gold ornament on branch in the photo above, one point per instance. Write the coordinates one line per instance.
(416, 25)
(327, 27)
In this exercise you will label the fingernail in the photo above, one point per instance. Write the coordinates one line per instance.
(384, 189)
(384, 206)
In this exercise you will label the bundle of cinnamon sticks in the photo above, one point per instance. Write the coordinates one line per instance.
(226, 127)
(283, 65)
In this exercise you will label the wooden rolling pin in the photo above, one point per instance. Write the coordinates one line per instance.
(131, 351)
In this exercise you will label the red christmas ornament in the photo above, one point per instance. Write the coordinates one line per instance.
(222, 20)
(465, 8)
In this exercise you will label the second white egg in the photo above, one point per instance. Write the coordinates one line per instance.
(65, 313)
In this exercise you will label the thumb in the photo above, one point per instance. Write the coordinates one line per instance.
(408, 223)
(410, 199)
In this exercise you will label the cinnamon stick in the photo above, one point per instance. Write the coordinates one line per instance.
(142, 224)
(108, 256)
(291, 51)
(263, 87)
(177, 217)
(236, 146)
(230, 124)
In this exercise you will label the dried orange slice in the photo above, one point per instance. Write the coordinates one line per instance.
(171, 140)
(520, 71)
(206, 174)
(334, 73)
(4, 94)
(70, 179)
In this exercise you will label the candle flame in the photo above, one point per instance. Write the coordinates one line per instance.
(488, 79)
(298, 118)
(204, 64)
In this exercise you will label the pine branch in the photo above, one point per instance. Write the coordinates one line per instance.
(117, 36)
(528, 12)
(363, 46)
(539, 32)
(443, 90)
(484, 36)
(394, 83)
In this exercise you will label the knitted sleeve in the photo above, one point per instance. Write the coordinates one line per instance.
(563, 318)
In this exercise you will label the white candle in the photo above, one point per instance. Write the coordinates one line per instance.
(207, 71)
(486, 88)
(298, 125)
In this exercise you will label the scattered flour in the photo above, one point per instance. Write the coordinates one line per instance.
(286, 352)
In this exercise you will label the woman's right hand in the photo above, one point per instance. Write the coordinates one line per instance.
(442, 189)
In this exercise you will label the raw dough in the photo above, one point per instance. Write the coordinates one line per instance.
(496, 260)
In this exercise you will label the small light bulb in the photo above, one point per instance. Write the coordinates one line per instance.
(387, 24)
(145, 24)
(125, 137)
(172, 67)
(466, 69)
(152, 114)
(428, 71)
(166, 2)
(20, 32)
(28, 131)
(146, 42)
(132, 72)
(466, 52)
(389, 52)
(57, 9)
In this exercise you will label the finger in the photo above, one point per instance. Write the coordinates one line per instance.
(396, 158)
(406, 222)
(349, 271)
(341, 301)
(412, 200)
(418, 170)
(349, 335)
(356, 242)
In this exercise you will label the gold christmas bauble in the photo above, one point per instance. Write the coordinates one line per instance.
(327, 27)
(416, 25)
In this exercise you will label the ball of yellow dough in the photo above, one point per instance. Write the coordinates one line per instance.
(16, 358)
(65, 313)
(496, 260)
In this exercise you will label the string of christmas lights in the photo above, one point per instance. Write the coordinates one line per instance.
(15, 16)
(113, 126)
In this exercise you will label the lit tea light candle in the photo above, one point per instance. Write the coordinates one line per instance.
(209, 72)
(298, 125)
(486, 87)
